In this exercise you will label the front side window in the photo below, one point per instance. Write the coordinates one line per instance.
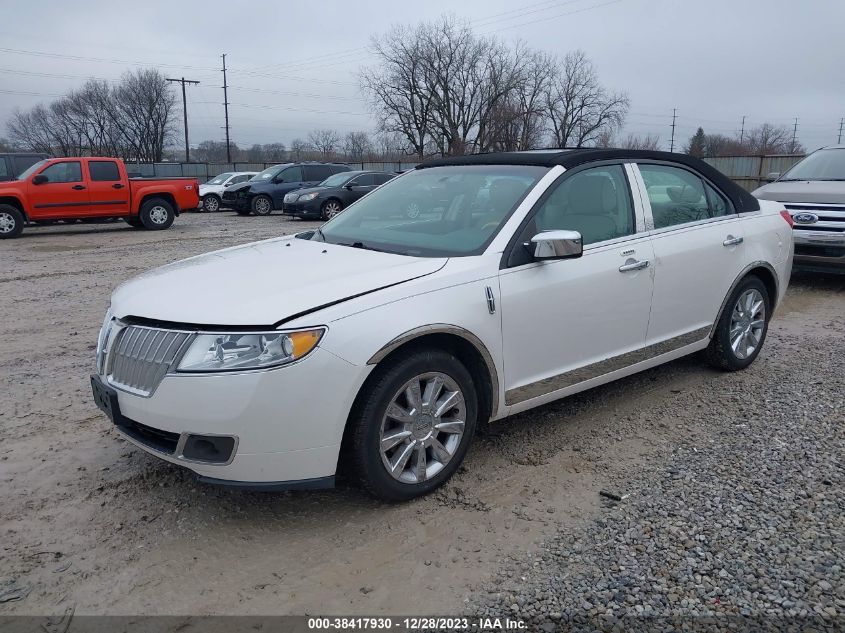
(239, 179)
(364, 180)
(291, 174)
(596, 202)
(337, 180)
(218, 180)
(435, 212)
(70, 171)
(677, 196)
(380, 179)
(103, 170)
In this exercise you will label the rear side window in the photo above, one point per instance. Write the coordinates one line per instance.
(678, 196)
(64, 172)
(317, 172)
(103, 170)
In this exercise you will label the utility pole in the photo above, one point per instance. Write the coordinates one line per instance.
(742, 130)
(794, 134)
(672, 142)
(226, 110)
(839, 140)
(184, 81)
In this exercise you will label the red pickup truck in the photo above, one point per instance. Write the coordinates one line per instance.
(89, 189)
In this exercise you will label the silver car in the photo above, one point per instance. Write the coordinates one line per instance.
(813, 191)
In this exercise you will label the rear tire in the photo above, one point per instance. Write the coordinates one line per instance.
(211, 203)
(262, 205)
(742, 327)
(11, 222)
(432, 427)
(157, 214)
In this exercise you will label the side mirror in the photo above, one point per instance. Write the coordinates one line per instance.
(350, 187)
(773, 175)
(40, 179)
(557, 245)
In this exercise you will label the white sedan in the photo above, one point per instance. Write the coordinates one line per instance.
(379, 344)
(211, 192)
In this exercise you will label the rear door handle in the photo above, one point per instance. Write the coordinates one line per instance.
(78, 187)
(633, 265)
(732, 241)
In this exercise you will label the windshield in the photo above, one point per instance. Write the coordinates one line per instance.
(31, 170)
(219, 180)
(825, 164)
(435, 212)
(269, 173)
(338, 180)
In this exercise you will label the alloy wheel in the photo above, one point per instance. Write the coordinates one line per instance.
(422, 427)
(262, 206)
(211, 204)
(748, 320)
(158, 215)
(7, 223)
(331, 209)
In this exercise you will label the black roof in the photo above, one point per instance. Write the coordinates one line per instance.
(568, 158)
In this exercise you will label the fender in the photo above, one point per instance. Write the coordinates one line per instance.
(745, 271)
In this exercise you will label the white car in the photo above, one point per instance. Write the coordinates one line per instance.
(211, 192)
(390, 341)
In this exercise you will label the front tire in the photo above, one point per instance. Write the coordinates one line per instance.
(262, 205)
(412, 425)
(211, 203)
(742, 327)
(330, 209)
(11, 222)
(157, 214)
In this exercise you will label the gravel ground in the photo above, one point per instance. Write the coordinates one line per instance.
(92, 525)
(744, 525)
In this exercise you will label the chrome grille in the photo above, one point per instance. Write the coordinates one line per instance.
(141, 356)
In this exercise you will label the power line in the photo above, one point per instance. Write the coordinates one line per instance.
(553, 17)
(184, 81)
(104, 60)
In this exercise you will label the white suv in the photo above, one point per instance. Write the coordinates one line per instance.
(525, 278)
(211, 192)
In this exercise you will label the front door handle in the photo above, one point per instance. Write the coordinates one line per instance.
(78, 187)
(117, 186)
(732, 241)
(633, 265)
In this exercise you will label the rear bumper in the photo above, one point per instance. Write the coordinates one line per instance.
(819, 250)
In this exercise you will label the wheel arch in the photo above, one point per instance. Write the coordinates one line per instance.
(14, 202)
(167, 197)
(760, 269)
(467, 347)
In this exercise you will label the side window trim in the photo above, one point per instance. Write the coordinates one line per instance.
(637, 234)
(649, 217)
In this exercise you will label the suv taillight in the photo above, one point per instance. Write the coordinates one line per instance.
(785, 215)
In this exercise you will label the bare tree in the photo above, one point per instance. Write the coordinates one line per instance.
(772, 139)
(144, 106)
(646, 141)
(325, 141)
(213, 151)
(299, 149)
(356, 145)
(33, 130)
(578, 108)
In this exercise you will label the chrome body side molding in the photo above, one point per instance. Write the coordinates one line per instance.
(594, 370)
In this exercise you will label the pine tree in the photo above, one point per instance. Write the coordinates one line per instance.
(696, 144)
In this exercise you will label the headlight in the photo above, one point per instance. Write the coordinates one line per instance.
(247, 350)
(308, 196)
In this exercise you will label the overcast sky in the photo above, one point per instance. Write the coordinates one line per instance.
(293, 65)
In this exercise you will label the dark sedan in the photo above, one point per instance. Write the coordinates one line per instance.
(334, 194)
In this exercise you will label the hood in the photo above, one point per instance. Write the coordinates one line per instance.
(263, 283)
(810, 191)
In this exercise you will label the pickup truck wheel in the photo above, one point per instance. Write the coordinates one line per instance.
(412, 425)
(262, 205)
(211, 203)
(11, 222)
(742, 326)
(157, 214)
